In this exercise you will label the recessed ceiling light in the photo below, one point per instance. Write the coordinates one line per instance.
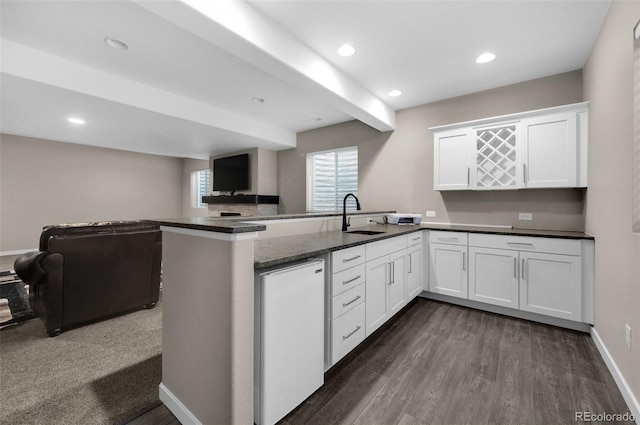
(75, 120)
(258, 100)
(346, 50)
(485, 57)
(395, 93)
(116, 44)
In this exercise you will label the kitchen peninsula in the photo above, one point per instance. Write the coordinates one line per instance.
(208, 290)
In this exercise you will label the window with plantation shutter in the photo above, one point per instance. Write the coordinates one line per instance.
(200, 186)
(330, 176)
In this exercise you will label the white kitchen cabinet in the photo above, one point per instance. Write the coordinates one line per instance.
(448, 263)
(414, 271)
(451, 170)
(551, 284)
(385, 289)
(546, 148)
(397, 288)
(377, 311)
(539, 275)
(347, 332)
(369, 284)
(345, 303)
(551, 151)
(493, 276)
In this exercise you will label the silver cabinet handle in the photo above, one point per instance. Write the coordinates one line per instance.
(448, 239)
(464, 255)
(346, 260)
(354, 331)
(352, 301)
(515, 267)
(416, 239)
(521, 244)
(410, 263)
(524, 173)
(523, 260)
(392, 272)
(468, 176)
(346, 282)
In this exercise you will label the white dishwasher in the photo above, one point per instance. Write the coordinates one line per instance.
(288, 338)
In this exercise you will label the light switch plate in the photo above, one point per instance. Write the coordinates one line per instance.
(431, 213)
(525, 216)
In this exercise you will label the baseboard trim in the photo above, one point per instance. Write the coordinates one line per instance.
(17, 252)
(534, 317)
(176, 407)
(627, 394)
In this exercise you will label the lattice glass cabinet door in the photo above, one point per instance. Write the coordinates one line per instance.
(496, 159)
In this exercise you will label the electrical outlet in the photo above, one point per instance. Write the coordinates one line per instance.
(431, 213)
(525, 216)
(627, 336)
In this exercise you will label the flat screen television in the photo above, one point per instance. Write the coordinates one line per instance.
(231, 173)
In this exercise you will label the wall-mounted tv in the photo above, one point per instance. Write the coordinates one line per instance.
(231, 173)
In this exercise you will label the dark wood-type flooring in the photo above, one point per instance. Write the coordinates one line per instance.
(437, 363)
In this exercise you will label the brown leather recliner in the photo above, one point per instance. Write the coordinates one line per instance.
(91, 271)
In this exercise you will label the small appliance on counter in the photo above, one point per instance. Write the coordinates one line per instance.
(402, 218)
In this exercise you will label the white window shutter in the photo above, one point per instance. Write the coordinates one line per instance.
(330, 176)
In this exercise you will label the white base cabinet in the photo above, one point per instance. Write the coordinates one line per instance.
(369, 284)
(414, 270)
(377, 311)
(386, 281)
(345, 304)
(551, 284)
(546, 276)
(493, 276)
(448, 268)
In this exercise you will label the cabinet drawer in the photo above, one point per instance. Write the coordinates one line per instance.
(527, 243)
(347, 301)
(347, 279)
(346, 258)
(452, 238)
(414, 238)
(385, 247)
(347, 331)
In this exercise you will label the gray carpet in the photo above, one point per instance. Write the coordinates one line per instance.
(102, 373)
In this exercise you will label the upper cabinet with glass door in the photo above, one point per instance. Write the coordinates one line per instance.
(545, 148)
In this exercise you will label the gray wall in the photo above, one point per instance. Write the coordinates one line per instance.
(396, 168)
(608, 84)
(45, 182)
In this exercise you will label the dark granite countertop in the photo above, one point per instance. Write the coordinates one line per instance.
(274, 251)
(509, 231)
(210, 224)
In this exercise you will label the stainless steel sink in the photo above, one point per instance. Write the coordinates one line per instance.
(365, 232)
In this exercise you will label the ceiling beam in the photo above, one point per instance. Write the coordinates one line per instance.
(240, 29)
(28, 63)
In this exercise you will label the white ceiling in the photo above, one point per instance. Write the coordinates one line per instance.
(185, 87)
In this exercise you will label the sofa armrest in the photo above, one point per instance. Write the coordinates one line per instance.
(28, 267)
(42, 271)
